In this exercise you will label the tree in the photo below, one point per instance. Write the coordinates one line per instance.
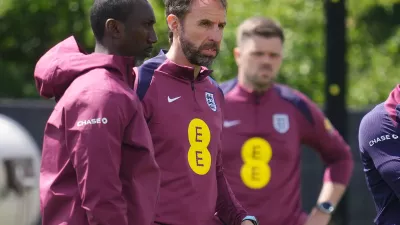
(29, 28)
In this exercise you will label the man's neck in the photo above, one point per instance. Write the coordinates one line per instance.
(176, 55)
(250, 87)
(99, 48)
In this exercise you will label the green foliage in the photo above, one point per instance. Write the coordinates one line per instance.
(374, 50)
(28, 28)
(303, 23)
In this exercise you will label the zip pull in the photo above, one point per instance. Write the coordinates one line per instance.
(192, 84)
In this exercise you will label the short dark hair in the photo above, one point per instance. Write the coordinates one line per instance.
(259, 26)
(180, 8)
(102, 10)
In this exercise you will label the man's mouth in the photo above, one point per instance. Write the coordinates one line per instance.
(211, 51)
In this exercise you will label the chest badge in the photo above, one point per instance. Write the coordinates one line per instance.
(281, 122)
(211, 101)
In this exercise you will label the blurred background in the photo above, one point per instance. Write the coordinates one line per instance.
(344, 55)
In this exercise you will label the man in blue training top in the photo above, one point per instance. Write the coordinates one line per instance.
(380, 154)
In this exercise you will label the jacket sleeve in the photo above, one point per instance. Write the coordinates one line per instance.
(326, 140)
(228, 209)
(95, 127)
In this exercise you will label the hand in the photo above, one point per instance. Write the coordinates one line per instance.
(247, 222)
(318, 218)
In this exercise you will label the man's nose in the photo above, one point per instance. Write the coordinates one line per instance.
(153, 37)
(216, 34)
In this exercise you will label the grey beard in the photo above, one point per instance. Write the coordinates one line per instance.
(193, 54)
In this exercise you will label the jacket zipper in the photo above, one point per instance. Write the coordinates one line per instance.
(194, 94)
(256, 111)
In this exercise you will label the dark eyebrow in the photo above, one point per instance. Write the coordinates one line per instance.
(205, 21)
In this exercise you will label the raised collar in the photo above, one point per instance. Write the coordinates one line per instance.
(252, 96)
(184, 72)
(63, 63)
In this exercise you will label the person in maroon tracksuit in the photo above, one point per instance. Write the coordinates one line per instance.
(183, 108)
(98, 164)
(265, 124)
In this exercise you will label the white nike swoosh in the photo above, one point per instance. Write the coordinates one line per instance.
(173, 99)
(231, 123)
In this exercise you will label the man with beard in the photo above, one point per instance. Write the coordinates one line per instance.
(183, 109)
(265, 125)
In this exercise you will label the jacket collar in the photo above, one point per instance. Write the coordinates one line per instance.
(250, 95)
(184, 72)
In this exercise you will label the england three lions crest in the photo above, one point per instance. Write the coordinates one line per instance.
(281, 122)
(211, 101)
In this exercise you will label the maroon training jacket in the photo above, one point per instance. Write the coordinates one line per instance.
(262, 139)
(98, 163)
(185, 119)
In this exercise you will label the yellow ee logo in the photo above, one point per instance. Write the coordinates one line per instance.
(256, 154)
(199, 157)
